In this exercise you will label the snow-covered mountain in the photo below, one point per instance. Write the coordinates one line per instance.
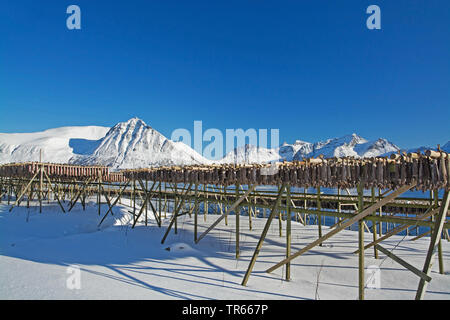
(57, 145)
(288, 151)
(250, 154)
(134, 144)
(350, 145)
(130, 144)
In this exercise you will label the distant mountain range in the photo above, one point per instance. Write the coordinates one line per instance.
(134, 144)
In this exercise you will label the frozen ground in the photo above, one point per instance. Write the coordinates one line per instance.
(118, 262)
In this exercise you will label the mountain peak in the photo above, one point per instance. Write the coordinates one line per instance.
(132, 123)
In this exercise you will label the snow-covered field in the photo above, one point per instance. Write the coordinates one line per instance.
(118, 262)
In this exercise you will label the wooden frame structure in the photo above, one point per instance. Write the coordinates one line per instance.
(237, 189)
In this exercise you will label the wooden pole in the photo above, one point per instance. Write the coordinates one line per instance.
(41, 180)
(205, 203)
(237, 213)
(175, 205)
(374, 227)
(288, 231)
(361, 244)
(196, 213)
(226, 204)
(134, 200)
(146, 205)
(160, 199)
(319, 216)
(99, 194)
(439, 245)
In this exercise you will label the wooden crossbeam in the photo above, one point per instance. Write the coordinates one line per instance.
(345, 224)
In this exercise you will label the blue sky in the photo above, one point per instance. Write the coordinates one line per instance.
(310, 68)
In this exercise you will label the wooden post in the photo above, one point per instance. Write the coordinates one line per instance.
(205, 203)
(237, 213)
(175, 205)
(288, 231)
(134, 200)
(280, 225)
(226, 204)
(339, 203)
(166, 207)
(439, 245)
(159, 199)
(249, 210)
(374, 226)
(361, 243)
(9, 191)
(146, 204)
(319, 216)
(196, 214)
(41, 181)
(99, 194)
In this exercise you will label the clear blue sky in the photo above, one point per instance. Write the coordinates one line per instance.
(310, 68)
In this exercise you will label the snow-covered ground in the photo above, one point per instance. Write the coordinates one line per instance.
(118, 262)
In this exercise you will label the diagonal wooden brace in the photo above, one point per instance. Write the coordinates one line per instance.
(402, 262)
(23, 192)
(114, 203)
(175, 214)
(434, 241)
(263, 235)
(345, 224)
(51, 188)
(233, 207)
(399, 229)
(147, 200)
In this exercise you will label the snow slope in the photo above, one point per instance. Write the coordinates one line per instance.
(58, 145)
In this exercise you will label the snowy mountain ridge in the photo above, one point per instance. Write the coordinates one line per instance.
(134, 144)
